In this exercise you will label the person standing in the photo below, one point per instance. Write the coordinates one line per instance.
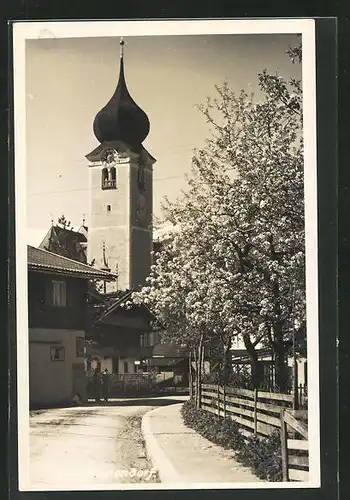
(97, 385)
(105, 384)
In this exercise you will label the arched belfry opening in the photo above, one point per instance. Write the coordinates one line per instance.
(109, 178)
(104, 178)
(113, 176)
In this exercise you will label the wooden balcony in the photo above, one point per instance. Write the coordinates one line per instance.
(109, 184)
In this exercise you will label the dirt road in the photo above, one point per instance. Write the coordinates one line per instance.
(91, 445)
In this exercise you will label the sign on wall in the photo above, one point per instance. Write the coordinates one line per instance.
(57, 353)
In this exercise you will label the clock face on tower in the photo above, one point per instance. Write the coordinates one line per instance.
(141, 181)
(141, 209)
(109, 156)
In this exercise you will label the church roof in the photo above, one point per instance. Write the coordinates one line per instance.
(46, 262)
(121, 118)
(65, 242)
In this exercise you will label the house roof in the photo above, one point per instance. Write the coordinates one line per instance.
(46, 262)
(242, 354)
(168, 350)
(163, 362)
(119, 300)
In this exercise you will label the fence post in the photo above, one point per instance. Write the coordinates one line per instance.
(218, 395)
(255, 411)
(301, 396)
(284, 448)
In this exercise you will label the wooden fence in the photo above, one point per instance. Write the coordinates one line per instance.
(256, 411)
(294, 445)
(262, 413)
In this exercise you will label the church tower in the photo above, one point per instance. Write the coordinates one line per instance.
(120, 182)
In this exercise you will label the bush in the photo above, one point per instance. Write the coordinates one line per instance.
(262, 455)
(225, 433)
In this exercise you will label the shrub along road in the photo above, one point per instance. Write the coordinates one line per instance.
(83, 447)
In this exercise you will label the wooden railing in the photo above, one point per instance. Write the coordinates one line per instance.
(262, 413)
(294, 445)
(255, 411)
(108, 184)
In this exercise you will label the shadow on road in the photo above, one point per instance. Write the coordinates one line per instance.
(161, 401)
(126, 401)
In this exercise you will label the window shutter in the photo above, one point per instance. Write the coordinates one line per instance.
(48, 293)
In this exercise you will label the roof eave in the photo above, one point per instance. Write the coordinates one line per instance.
(64, 272)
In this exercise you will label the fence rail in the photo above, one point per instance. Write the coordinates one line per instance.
(295, 467)
(255, 411)
(263, 413)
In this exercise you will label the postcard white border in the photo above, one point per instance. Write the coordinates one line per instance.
(83, 29)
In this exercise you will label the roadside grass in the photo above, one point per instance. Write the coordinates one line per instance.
(32, 413)
(141, 464)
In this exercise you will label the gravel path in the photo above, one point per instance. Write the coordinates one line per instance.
(88, 446)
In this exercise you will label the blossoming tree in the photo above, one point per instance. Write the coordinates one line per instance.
(234, 263)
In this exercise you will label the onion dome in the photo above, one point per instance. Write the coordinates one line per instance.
(121, 119)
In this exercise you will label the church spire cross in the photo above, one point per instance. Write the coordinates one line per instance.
(121, 43)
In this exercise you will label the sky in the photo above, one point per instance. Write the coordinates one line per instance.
(69, 80)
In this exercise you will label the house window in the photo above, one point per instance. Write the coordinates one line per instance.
(126, 368)
(59, 293)
(116, 365)
(80, 347)
(57, 353)
(109, 208)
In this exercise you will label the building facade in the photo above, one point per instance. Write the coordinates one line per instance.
(57, 320)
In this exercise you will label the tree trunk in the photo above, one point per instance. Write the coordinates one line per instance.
(281, 372)
(202, 359)
(199, 373)
(196, 376)
(190, 380)
(256, 365)
(227, 364)
(223, 371)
